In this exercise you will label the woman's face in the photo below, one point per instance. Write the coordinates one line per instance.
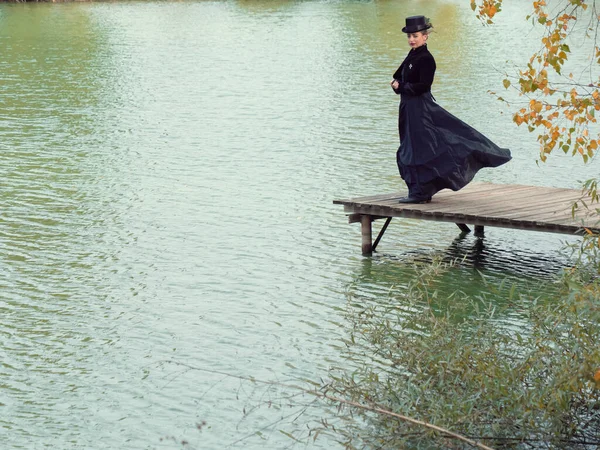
(415, 40)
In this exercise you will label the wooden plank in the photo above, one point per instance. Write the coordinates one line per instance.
(506, 210)
(547, 213)
(544, 213)
(474, 220)
(472, 188)
(523, 199)
(502, 206)
(372, 198)
(589, 222)
(537, 197)
(467, 195)
(450, 205)
(454, 217)
(560, 202)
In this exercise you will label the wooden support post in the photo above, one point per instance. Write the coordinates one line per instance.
(464, 228)
(380, 235)
(367, 237)
(479, 230)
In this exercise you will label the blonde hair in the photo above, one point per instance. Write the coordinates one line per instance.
(427, 31)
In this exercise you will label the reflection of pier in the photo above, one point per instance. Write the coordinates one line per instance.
(480, 204)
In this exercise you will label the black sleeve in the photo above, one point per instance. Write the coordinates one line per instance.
(398, 73)
(426, 74)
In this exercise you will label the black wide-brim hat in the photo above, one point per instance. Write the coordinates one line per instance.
(416, 23)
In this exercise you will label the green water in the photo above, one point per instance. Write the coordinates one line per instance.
(167, 175)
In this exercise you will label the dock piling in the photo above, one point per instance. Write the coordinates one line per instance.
(367, 234)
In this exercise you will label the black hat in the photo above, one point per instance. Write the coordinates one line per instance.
(416, 23)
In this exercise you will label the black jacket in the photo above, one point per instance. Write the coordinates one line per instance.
(416, 72)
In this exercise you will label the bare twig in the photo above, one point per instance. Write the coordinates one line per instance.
(403, 418)
(341, 401)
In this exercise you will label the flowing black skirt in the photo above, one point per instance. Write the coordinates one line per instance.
(439, 151)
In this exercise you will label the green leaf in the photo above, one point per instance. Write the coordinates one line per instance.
(506, 84)
(289, 435)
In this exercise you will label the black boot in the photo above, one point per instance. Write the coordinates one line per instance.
(410, 199)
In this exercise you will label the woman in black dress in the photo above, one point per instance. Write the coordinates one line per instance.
(437, 150)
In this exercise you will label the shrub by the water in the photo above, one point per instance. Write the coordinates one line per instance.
(533, 385)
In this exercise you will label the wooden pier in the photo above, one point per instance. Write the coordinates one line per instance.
(480, 204)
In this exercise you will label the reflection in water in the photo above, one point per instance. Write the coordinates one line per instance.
(475, 266)
(461, 250)
(490, 256)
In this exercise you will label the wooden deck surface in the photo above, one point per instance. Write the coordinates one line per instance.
(486, 204)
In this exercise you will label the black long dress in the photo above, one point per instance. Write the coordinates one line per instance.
(437, 150)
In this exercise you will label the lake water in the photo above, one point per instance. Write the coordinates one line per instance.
(167, 173)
